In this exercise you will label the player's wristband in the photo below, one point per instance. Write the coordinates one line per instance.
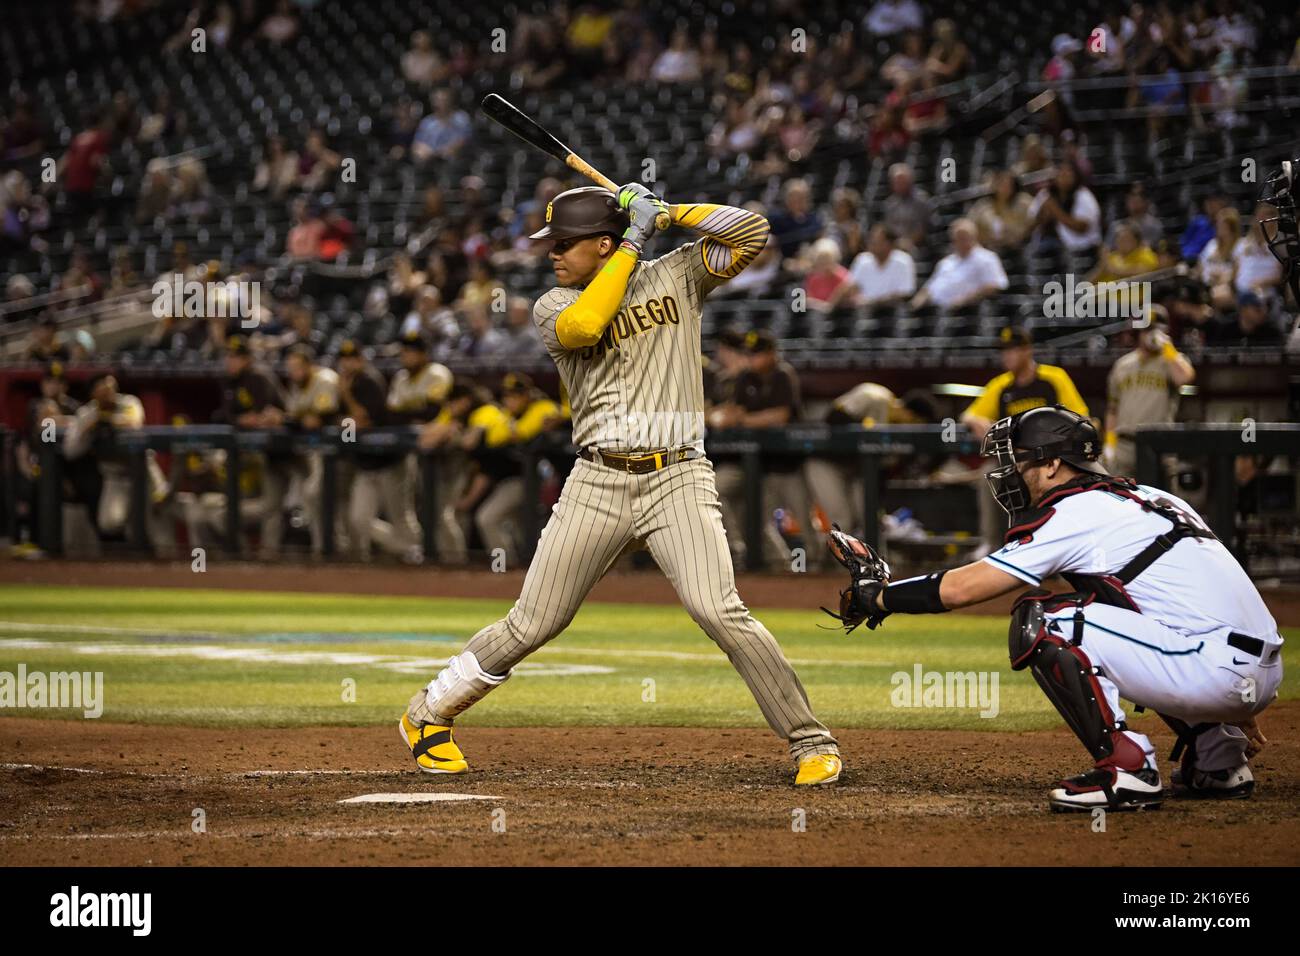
(915, 595)
(1169, 352)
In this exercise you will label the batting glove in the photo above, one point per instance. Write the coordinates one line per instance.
(643, 208)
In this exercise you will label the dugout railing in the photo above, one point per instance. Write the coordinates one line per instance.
(1218, 444)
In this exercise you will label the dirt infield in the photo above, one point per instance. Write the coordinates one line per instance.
(105, 794)
(646, 587)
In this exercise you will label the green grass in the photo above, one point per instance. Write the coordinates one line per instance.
(161, 680)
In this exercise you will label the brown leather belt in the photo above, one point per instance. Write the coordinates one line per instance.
(638, 463)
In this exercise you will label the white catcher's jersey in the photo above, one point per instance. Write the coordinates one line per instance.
(1197, 588)
(641, 386)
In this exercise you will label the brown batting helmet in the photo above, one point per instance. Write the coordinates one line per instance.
(586, 211)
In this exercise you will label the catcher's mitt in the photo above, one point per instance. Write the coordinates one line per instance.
(868, 575)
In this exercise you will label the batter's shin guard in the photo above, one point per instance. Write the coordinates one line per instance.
(1070, 682)
(461, 683)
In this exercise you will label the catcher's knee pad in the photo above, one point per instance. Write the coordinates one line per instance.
(458, 685)
(1069, 680)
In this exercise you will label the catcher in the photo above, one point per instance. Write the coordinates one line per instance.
(1160, 614)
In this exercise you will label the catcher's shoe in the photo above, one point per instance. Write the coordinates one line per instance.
(1129, 790)
(1235, 784)
(432, 747)
(818, 769)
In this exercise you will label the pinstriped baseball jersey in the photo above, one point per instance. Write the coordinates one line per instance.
(319, 396)
(641, 386)
(413, 394)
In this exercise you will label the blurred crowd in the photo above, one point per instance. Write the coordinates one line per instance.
(1038, 218)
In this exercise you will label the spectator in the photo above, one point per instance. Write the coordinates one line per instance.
(1258, 270)
(827, 282)
(1034, 164)
(19, 287)
(22, 136)
(431, 318)
(163, 121)
(82, 277)
(908, 209)
(908, 64)
(81, 164)
(442, 134)
(883, 275)
(887, 18)
(1067, 218)
(721, 374)
(1129, 257)
(24, 215)
(586, 35)
(519, 339)
(925, 110)
(1217, 263)
(737, 132)
(1002, 218)
(680, 63)
(888, 137)
(1252, 326)
(1142, 389)
(797, 223)
(966, 275)
(845, 227)
(1138, 214)
(1228, 92)
(482, 288)
(402, 127)
(481, 339)
(421, 64)
(338, 234)
(304, 238)
(949, 57)
(277, 171)
(44, 345)
(191, 189)
(317, 163)
(155, 198)
(1201, 229)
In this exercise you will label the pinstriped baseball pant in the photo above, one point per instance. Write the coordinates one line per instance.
(676, 515)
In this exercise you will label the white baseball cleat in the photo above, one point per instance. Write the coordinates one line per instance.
(1129, 790)
(1235, 784)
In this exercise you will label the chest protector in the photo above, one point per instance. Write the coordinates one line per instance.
(1109, 588)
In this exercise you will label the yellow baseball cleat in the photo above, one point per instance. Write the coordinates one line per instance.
(818, 769)
(432, 747)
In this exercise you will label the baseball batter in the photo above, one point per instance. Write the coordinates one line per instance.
(1162, 614)
(625, 335)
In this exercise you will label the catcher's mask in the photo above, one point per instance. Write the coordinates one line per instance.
(1281, 231)
(1037, 435)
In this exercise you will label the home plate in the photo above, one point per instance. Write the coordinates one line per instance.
(435, 797)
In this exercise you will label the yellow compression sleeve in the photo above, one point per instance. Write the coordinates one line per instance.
(584, 322)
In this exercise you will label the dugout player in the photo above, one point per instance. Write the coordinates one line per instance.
(1161, 614)
(1025, 384)
(624, 332)
(253, 399)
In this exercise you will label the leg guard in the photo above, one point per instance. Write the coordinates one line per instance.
(461, 683)
(1069, 680)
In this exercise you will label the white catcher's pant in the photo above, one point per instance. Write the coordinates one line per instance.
(1199, 679)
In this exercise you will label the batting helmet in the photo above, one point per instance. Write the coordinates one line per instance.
(586, 211)
(1039, 434)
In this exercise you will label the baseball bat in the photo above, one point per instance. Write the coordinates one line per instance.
(532, 133)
